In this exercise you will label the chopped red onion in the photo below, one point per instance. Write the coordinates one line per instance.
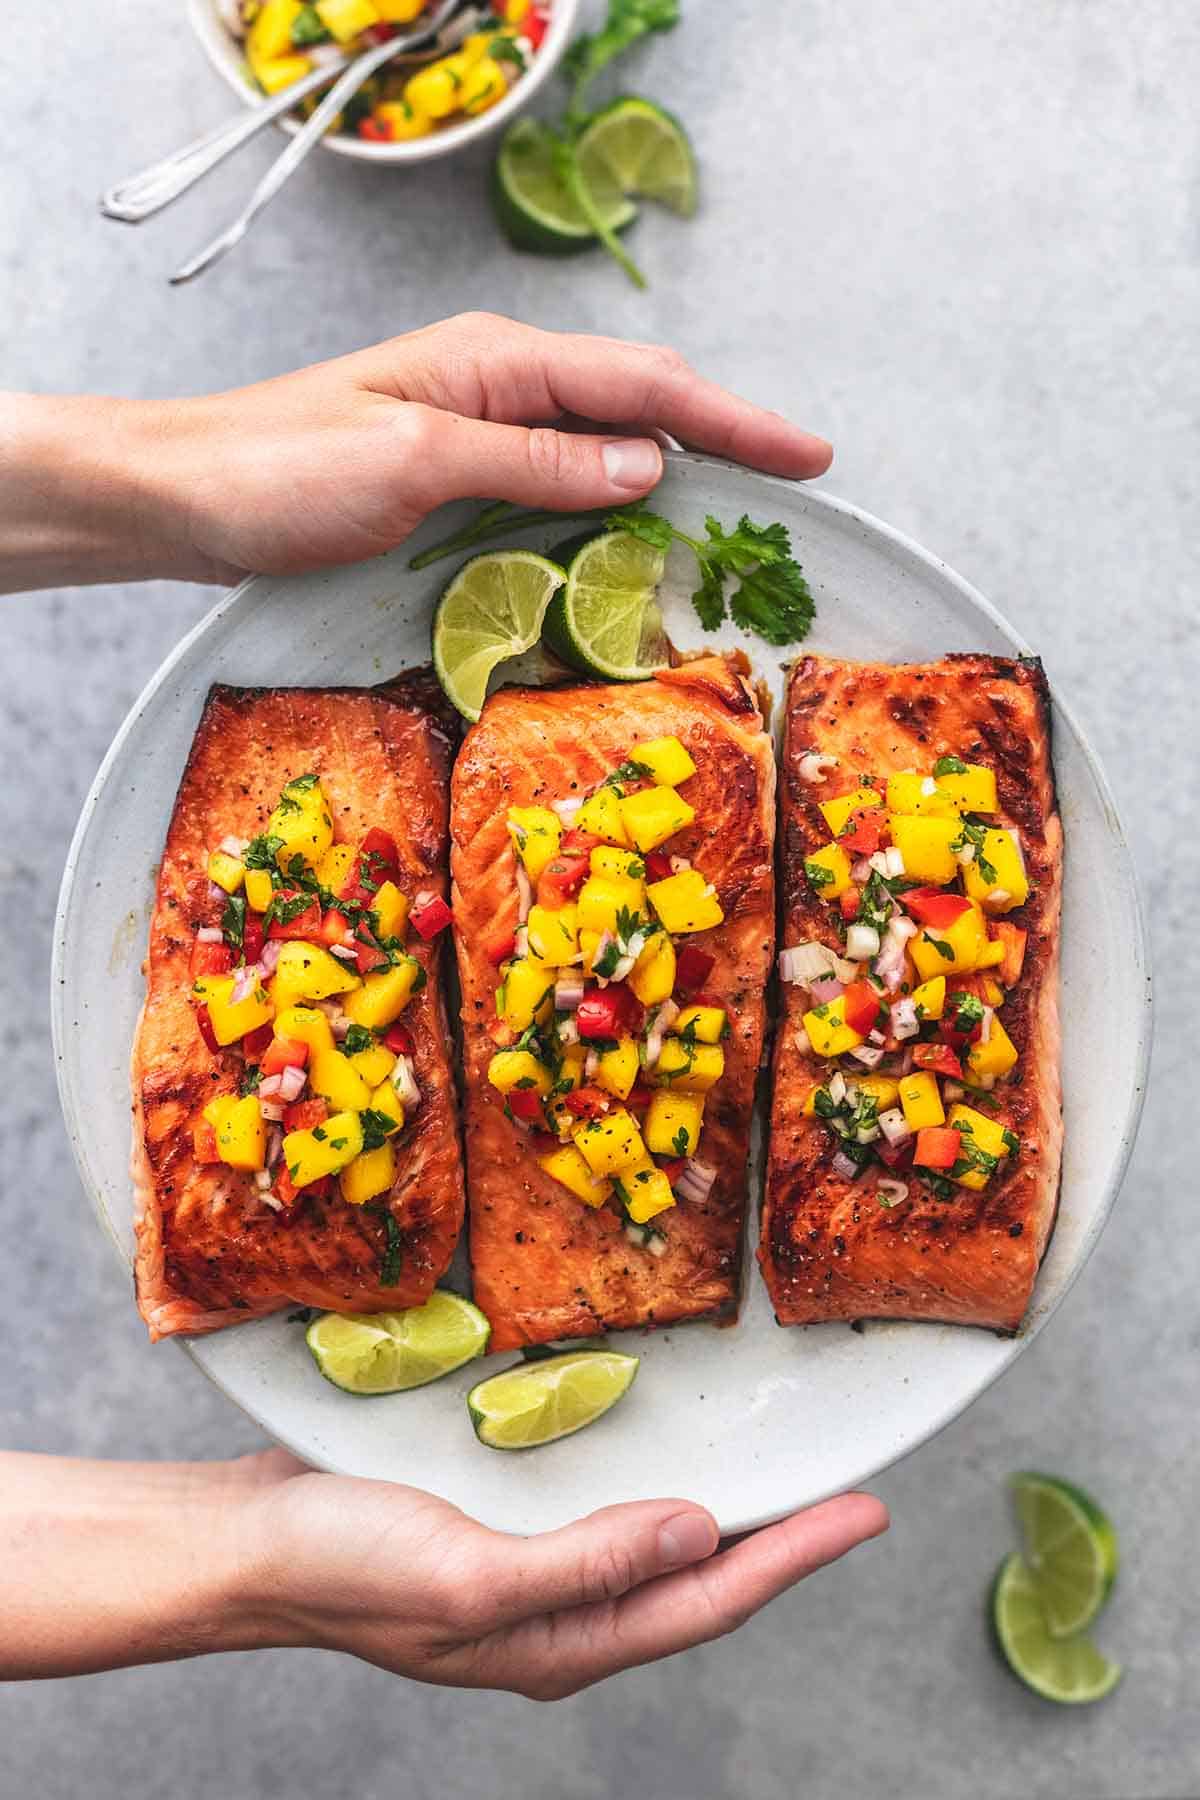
(876, 1037)
(270, 956)
(861, 870)
(271, 1200)
(404, 1081)
(878, 862)
(568, 1031)
(862, 942)
(987, 1083)
(524, 894)
(274, 1147)
(210, 934)
(901, 927)
(606, 943)
(233, 846)
(814, 764)
(826, 989)
(271, 1110)
(657, 1244)
(843, 1166)
(679, 864)
(262, 1178)
(521, 941)
(906, 1063)
(695, 1182)
(985, 1027)
(592, 1065)
(891, 1193)
(952, 1090)
(965, 855)
(343, 952)
(566, 809)
(325, 56)
(292, 1082)
(894, 1126)
(801, 1040)
(216, 894)
(894, 861)
(905, 1023)
(869, 1055)
(837, 1087)
(245, 980)
(999, 896)
(269, 1087)
(568, 992)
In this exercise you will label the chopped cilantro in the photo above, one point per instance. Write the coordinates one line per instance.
(971, 835)
(949, 765)
(261, 851)
(679, 1143)
(1012, 1141)
(251, 1076)
(392, 1258)
(818, 875)
(233, 920)
(628, 771)
(320, 1133)
(377, 1127)
(358, 1037)
(941, 946)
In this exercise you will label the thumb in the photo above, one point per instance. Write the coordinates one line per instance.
(600, 1557)
(562, 471)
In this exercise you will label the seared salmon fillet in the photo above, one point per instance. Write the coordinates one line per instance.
(545, 1264)
(210, 1250)
(909, 1241)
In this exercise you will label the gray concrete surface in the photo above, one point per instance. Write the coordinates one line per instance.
(963, 242)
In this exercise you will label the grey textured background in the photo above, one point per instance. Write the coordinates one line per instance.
(962, 242)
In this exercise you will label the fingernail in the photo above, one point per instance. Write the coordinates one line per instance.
(686, 1539)
(634, 463)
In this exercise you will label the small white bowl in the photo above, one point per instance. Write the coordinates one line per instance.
(226, 57)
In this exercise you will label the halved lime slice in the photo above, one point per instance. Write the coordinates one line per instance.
(532, 204)
(1071, 1548)
(537, 1402)
(638, 149)
(492, 610)
(607, 621)
(1069, 1670)
(384, 1353)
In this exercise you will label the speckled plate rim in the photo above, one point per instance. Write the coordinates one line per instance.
(1044, 1303)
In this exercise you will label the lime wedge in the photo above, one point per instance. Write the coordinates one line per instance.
(537, 1402)
(606, 621)
(635, 148)
(1069, 1670)
(533, 206)
(384, 1353)
(1071, 1548)
(491, 611)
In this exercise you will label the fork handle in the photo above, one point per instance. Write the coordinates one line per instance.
(140, 196)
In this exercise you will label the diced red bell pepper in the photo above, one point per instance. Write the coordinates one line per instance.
(561, 880)
(658, 865)
(612, 1012)
(862, 1007)
(939, 1058)
(934, 906)
(252, 938)
(399, 1040)
(373, 130)
(525, 1103)
(286, 1190)
(335, 928)
(379, 849)
(639, 1096)
(381, 33)
(849, 900)
(501, 947)
(204, 1142)
(865, 831)
(205, 1027)
(673, 1169)
(895, 1156)
(692, 969)
(283, 1053)
(950, 1034)
(209, 959)
(937, 1147)
(587, 1102)
(369, 956)
(430, 916)
(306, 923)
(578, 843)
(257, 1042)
(534, 27)
(1014, 938)
(302, 1115)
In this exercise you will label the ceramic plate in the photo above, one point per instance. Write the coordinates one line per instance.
(751, 1420)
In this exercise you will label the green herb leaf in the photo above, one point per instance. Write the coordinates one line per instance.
(818, 875)
(949, 765)
(307, 27)
(377, 1127)
(357, 1038)
(261, 851)
(626, 23)
(233, 920)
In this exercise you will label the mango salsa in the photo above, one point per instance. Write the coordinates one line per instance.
(645, 1191)
(653, 975)
(568, 1167)
(690, 1068)
(837, 811)
(828, 871)
(302, 821)
(232, 1019)
(1007, 885)
(667, 760)
(611, 1143)
(326, 1149)
(535, 832)
(600, 814)
(383, 996)
(372, 1172)
(653, 815)
(673, 1123)
(685, 902)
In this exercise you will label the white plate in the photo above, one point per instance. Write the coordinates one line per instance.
(751, 1420)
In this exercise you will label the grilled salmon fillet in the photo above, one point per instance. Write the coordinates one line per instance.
(209, 1252)
(545, 1265)
(829, 1249)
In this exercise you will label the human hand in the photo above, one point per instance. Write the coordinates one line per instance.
(410, 1583)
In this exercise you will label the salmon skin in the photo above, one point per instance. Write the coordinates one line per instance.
(545, 1265)
(209, 1252)
(828, 1249)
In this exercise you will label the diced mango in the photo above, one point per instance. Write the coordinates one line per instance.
(690, 1068)
(402, 122)
(335, 866)
(372, 1172)
(618, 1068)
(515, 13)
(602, 897)
(974, 790)
(384, 995)
(645, 1190)
(242, 1135)
(259, 889)
(930, 998)
(707, 1024)
(606, 859)
(921, 1100)
(837, 811)
(374, 1064)
(1011, 885)
(302, 820)
(685, 902)
(535, 832)
(346, 19)
(673, 1123)
(305, 1025)
(228, 872)
(568, 1167)
(667, 760)
(438, 90)
(996, 1057)
(218, 1109)
(572, 1068)
(828, 1032)
(335, 1079)
(991, 956)
(553, 936)
(527, 994)
(653, 975)
(483, 86)
(278, 73)
(883, 1090)
(611, 1143)
(310, 1155)
(979, 1133)
(398, 12)
(828, 871)
(924, 843)
(601, 815)
(390, 907)
(306, 972)
(385, 1100)
(589, 943)
(911, 793)
(232, 1019)
(653, 815)
(511, 1069)
(961, 946)
(270, 36)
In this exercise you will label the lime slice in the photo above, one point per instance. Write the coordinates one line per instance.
(384, 1353)
(492, 610)
(533, 206)
(635, 148)
(606, 621)
(1071, 1548)
(1069, 1670)
(537, 1402)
